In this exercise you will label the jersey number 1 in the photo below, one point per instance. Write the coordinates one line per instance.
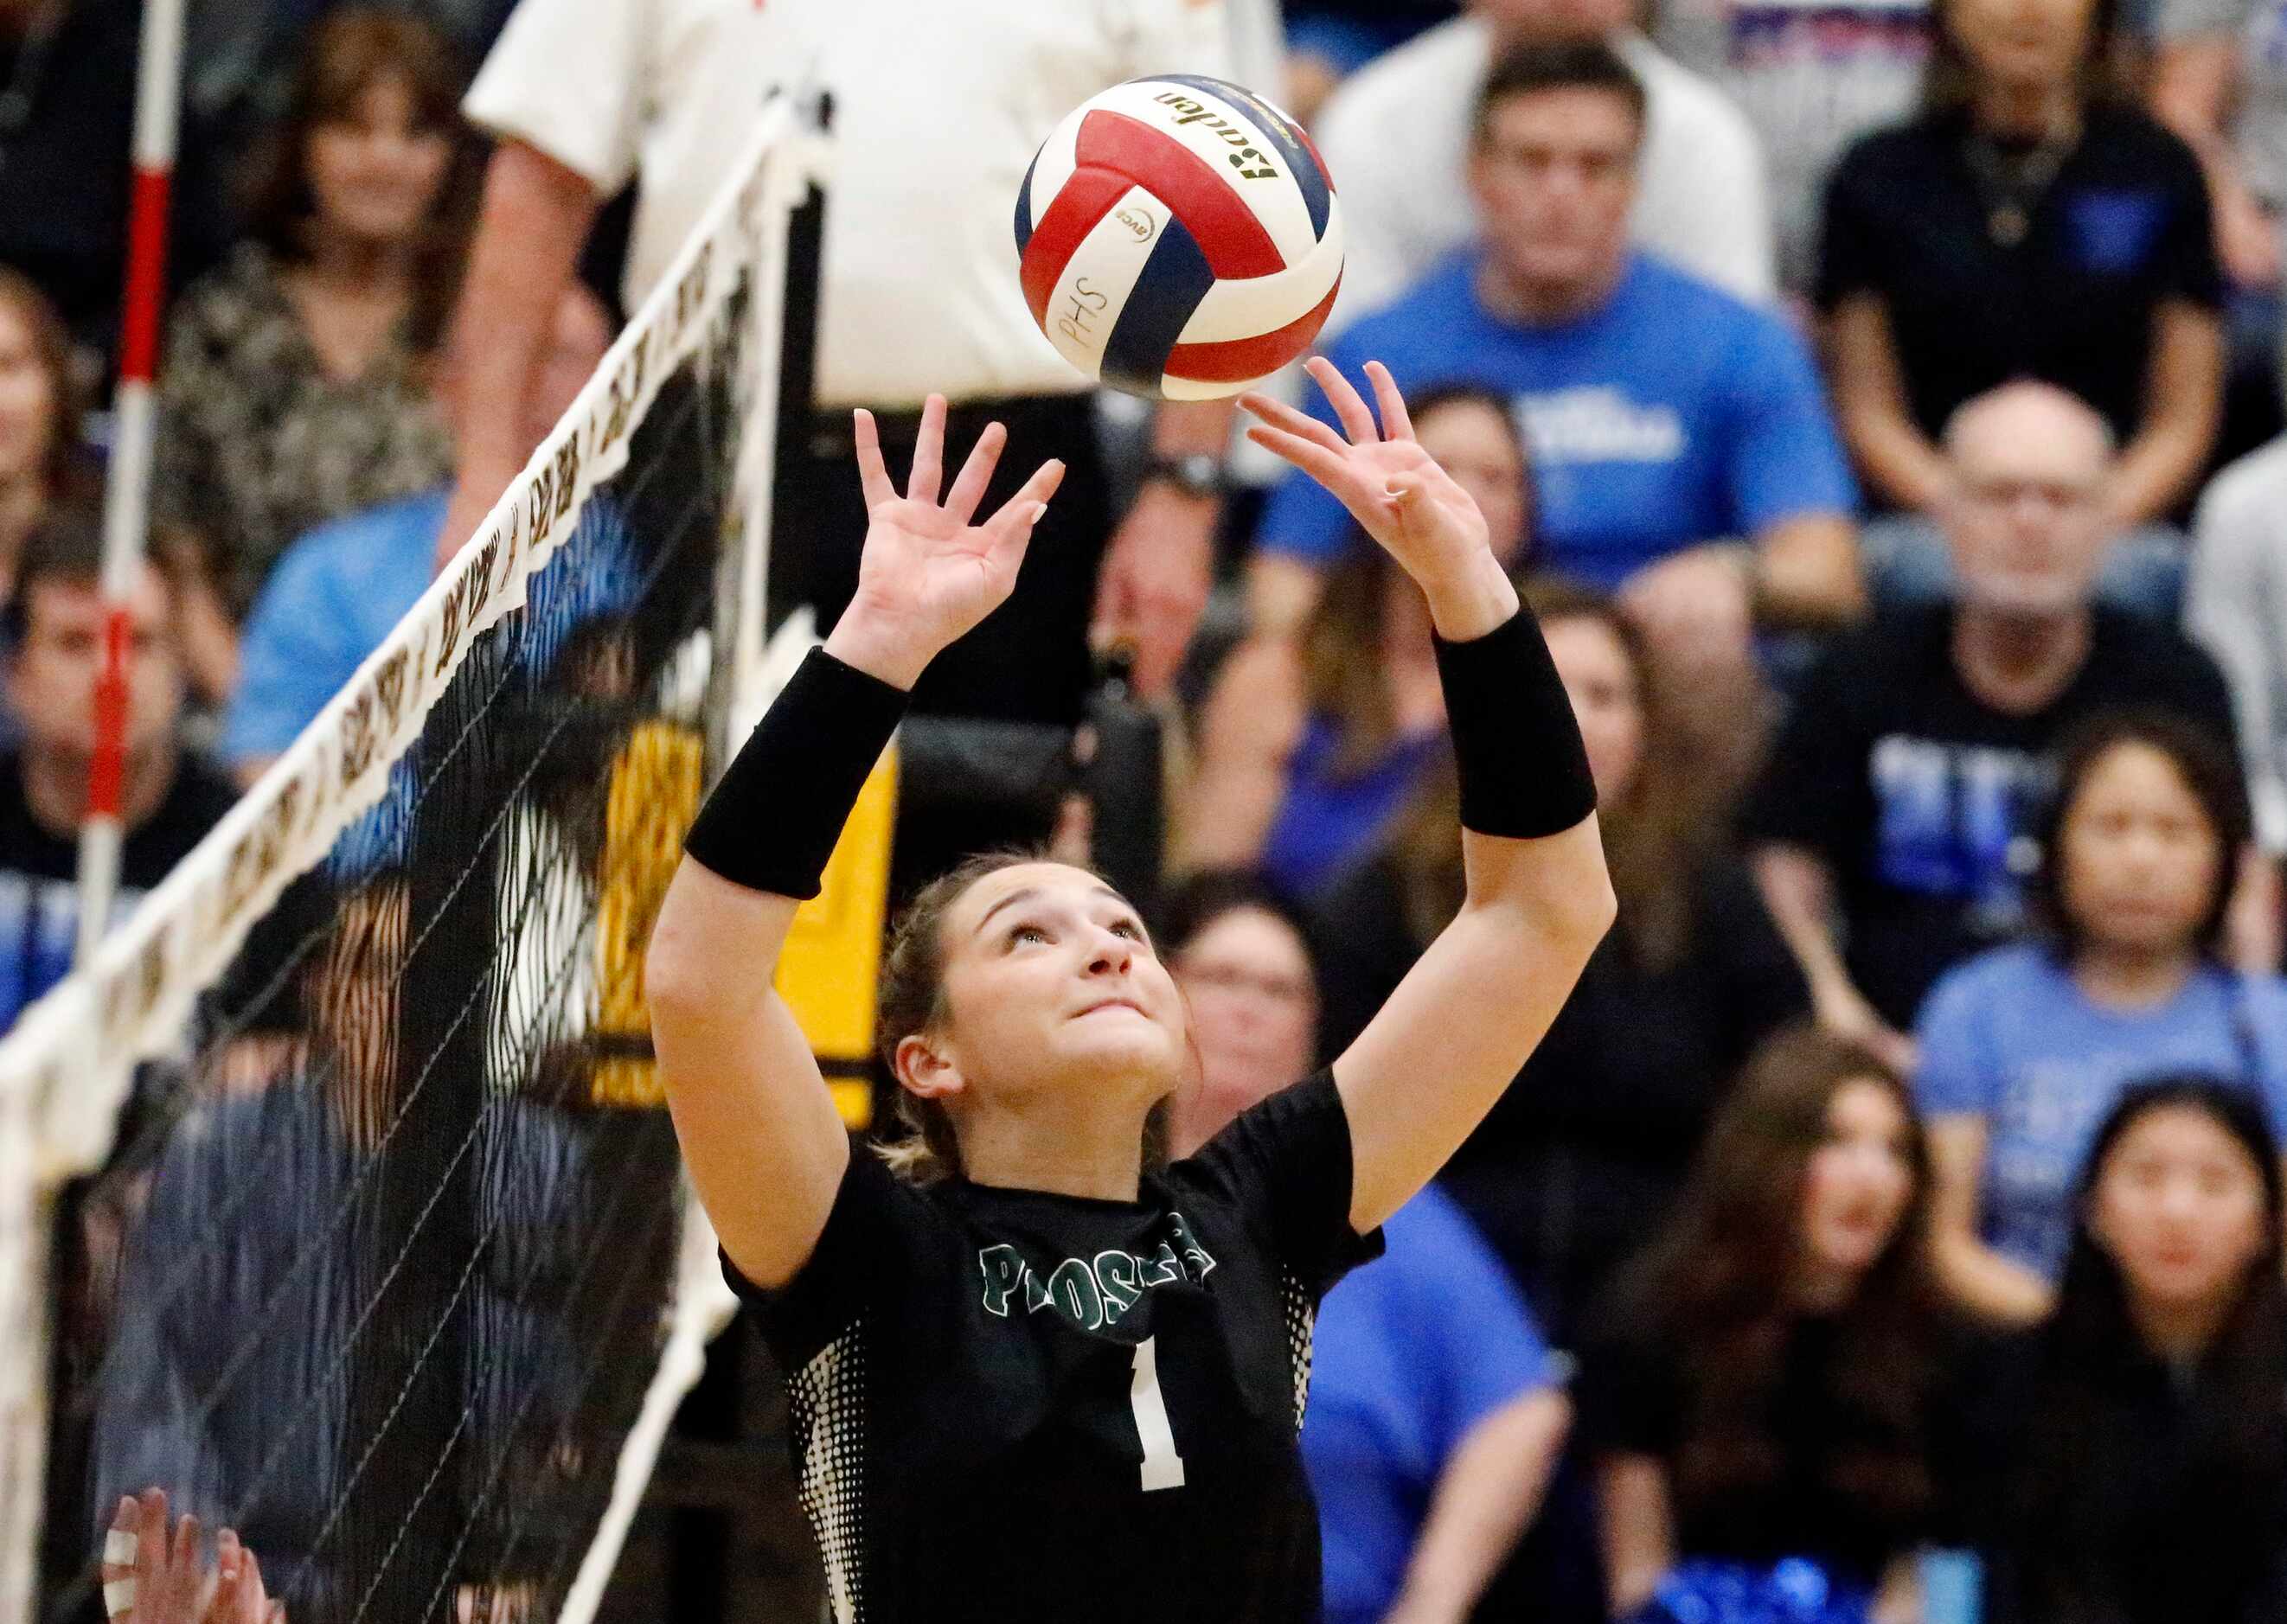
(1163, 1467)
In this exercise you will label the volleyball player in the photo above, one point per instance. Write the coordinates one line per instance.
(1034, 1372)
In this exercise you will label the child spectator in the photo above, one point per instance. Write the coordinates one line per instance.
(296, 385)
(2024, 1049)
(1573, 1170)
(2138, 1440)
(1764, 1399)
(2028, 224)
(1309, 748)
(1907, 772)
(1435, 1415)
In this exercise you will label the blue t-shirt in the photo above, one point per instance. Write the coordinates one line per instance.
(1674, 414)
(1325, 823)
(1410, 1351)
(339, 591)
(2011, 1037)
(337, 594)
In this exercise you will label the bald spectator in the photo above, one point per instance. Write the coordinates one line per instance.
(1900, 792)
(1396, 138)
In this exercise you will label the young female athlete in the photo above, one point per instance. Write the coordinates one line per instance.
(1035, 1373)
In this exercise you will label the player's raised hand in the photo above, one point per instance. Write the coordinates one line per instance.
(153, 1574)
(1391, 487)
(928, 573)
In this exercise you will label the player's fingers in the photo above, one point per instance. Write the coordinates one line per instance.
(1395, 425)
(1021, 511)
(120, 1543)
(872, 473)
(1325, 467)
(1350, 406)
(928, 453)
(1278, 414)
(976, 474)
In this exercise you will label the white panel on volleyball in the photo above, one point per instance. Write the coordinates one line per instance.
(1098, 278)
(1190, 388)
(1277, 201)
(1052, 166)
(1249, 306)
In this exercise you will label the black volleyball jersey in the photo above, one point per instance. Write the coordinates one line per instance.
(1011, 1406)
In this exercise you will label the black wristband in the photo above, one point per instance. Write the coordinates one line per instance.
(1523, 770)
(772, 822)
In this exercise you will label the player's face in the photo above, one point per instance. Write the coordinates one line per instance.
(1470, 442)
(1859, 1181)
(27, 400)
(2141, 863)
(377, 173)
(1555, 177)
(1607, 696)
(2180, 1206)
(1051, 983)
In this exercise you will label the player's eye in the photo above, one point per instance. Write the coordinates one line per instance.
(1129, 929)
(1026, 932)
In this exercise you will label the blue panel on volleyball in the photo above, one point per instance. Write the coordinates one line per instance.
(1175, 279)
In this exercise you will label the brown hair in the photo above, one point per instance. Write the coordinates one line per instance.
(1713, 1289)
(354, 49)
(1949, 81)
(51, 349)
(913, 1000)
(1566, 64)
(1652, 836)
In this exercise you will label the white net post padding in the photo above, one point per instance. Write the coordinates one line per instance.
(68, 1067)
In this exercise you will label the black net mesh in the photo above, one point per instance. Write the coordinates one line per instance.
(381, 1266)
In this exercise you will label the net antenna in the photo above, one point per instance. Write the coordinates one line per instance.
(127, 488)
(400, 984)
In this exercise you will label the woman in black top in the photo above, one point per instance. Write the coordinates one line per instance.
(1039, 1376)
(2143, 1432)
(2031, 223)
(1572, 1171)
(1762, 1396)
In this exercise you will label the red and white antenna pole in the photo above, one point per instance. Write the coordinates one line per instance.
(127, 491)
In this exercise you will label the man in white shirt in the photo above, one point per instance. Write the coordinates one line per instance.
(940, 105)
(1396, 137)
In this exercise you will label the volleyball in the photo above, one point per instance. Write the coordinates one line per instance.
(1179, 238)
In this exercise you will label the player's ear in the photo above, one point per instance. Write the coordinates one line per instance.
(925, 1066)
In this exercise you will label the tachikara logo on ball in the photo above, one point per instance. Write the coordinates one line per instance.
(1179, 238)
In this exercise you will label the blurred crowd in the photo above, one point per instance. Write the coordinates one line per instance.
(1880, 403)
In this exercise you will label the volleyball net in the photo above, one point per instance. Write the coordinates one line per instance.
(337, 1197)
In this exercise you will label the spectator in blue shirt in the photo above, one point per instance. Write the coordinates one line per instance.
(1435, 1415)
(338, 592)
(1680, 441)
(2024, 1050)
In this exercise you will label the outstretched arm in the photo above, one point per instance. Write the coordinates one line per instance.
(758, 1129)
(1429, 1066)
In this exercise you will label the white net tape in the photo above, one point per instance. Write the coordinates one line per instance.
(67, 1069)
